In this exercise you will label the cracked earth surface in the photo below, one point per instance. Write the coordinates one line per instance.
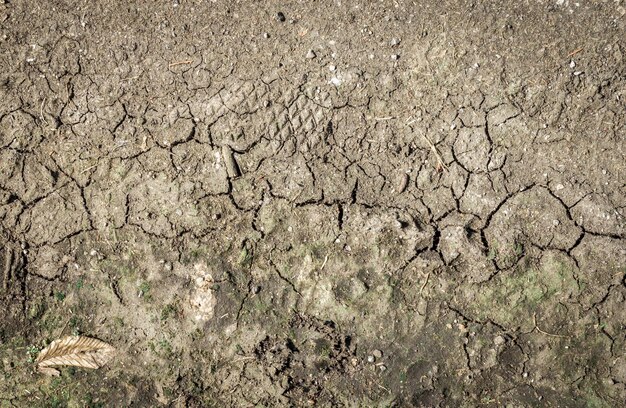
(427, 210)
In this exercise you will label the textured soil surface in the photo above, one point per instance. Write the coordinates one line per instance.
(315, 203)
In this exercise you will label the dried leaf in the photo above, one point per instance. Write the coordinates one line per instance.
(49, 371)
(77, 351)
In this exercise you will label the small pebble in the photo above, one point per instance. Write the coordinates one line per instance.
(572, 64)
(371, 359)
(402, 183)
(395, 57)
(232, 168)
(377, 353)
(382, 368)
(256, 289)
(332, 68)
(499, 340)
(394, 41)
(311, 54)
(266, 35)
(280, 16)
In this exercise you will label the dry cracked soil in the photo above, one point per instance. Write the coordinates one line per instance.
(334, 204)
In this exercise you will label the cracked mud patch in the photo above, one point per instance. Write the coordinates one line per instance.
(428, 209)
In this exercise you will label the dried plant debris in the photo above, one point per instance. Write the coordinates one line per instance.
(77, 351)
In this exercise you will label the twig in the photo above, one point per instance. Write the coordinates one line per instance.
(386, 389)
(89, 168)
(543, 332)
(185, 62)
(324, 263)
(239, 360)
(571, 54)
(440, 162)
(425, 283)
(41, 112)
(436, 152)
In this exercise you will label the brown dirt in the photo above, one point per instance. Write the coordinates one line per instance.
(437, 220)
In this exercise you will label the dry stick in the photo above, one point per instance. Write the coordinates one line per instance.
(173, 64)
(571, 54)
(543, 332)
(324, 263)
(240, 359)
(41, 112)
(432, 146)
(386, 389)
(425, 283)
(89, 168)
(30, 393)
(434, 149)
